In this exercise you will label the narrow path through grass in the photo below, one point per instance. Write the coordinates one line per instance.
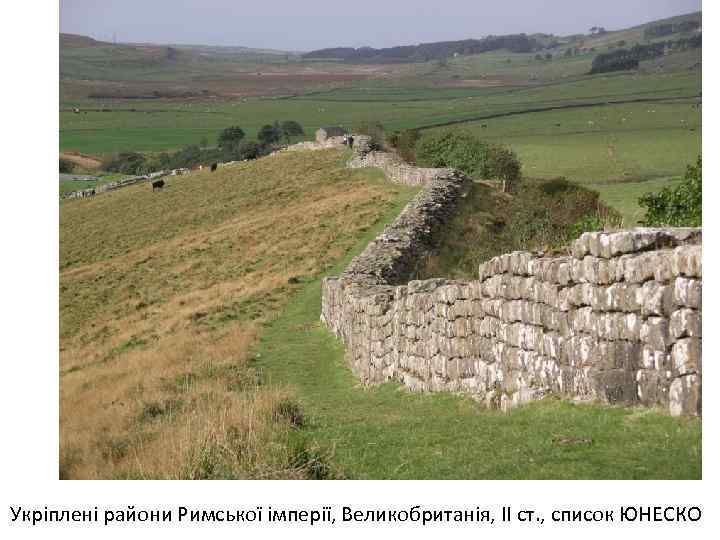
(387, 432)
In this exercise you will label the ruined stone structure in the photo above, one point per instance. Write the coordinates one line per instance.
(618, 319)
(329, 132)
(329, 142)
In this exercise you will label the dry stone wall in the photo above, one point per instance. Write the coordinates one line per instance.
(111, 186)
(619, 319)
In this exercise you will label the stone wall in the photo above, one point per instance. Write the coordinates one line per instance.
(394, 168)
(111, 186)
(618, 319)
(330, 142)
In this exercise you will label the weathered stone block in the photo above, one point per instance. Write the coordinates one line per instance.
(685, 397)
(615, 386)
(687, 261)
(687, 356)
(688, 293)
(655, 333)
(685, 323)
(657, 299)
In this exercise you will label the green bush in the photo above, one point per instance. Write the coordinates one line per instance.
(230, 137)
(504, 165)
(544, 215)
(270, 133)
(405, 142)
(291, 128)
(458, 149)
(678, 206)
(66, 166)
(127, 163)
(462, 150)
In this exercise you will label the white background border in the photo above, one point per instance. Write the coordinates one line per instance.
(29, 355)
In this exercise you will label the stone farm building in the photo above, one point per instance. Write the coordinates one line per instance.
(325, 133)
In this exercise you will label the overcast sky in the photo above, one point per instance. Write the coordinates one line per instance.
(313, 24)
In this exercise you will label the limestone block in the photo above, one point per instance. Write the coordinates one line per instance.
(687, 261)
(688, 293)
(657, 299)
(615, 385)
(630, 327)
(652, 359)
(637, 269)
(652, 388)
(662, 270)
(621, 242)
(655, 333)
(684, 398)
(687, 356)
(685, 323)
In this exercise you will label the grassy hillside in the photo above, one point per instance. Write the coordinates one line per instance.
(162, 296)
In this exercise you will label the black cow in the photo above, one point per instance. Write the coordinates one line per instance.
(213, 167)
(158, 184)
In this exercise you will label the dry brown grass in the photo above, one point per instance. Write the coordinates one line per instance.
(163, 296)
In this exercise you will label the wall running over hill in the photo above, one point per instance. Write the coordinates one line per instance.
(111, 186)
(619, 319)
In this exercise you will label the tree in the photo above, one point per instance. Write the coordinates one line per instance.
(463, 151)
(230, 137)
(270, 133)
(291, 128)
(503, 164)
(404, 142)
(548, 56)
(679, 206)
(126, 163)
(458, 149)
(66, 166)
(248, 150)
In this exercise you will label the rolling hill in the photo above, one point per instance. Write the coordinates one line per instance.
(163, 296)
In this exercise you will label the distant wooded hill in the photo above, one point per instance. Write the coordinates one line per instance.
(518, 43)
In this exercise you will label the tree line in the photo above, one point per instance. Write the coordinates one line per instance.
(231, 146)
(626, 59)
(666, 29)
(518, 43)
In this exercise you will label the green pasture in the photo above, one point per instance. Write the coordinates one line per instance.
(156, 125)
(606, 144)
(624, 196)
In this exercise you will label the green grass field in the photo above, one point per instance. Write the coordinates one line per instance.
(102, 178)
(624, 197)
(604, 144)
(153, 125)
